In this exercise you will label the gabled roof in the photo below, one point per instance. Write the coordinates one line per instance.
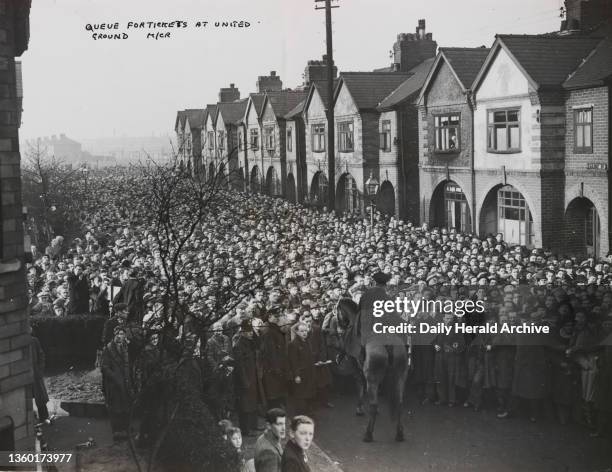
(319, 86)
(196, 118)
(410, 86)
(254, 101)
(595, 70)
(296, 111)
(232, 112)
(465, 63)
(180, 120)
(284, 101)
(545, 60)
(368, 89)
(211, 112)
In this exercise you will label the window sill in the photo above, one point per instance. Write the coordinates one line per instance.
(320, 152)
(511, 151)
(450, 151)
(346, 150)
(583, 151)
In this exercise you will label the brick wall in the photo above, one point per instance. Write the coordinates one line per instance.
(15, 366)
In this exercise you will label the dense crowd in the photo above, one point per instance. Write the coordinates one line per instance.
(271, 274)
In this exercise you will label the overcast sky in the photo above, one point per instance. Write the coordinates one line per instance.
(133, 87)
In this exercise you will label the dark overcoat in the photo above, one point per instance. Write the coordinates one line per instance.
(275, 369)
(132, 294)
(245, 375)
(449, 362)
(503, 351)
(78, 295)
(603, 381)
(268, 453)
(532, 367)
(294, 459)
(318, 346)
(116, 379)
(301, 364)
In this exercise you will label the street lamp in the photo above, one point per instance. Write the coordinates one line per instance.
(372, 189)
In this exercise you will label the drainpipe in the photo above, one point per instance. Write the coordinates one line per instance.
(472, 107)
(401, 188)
(609, 160)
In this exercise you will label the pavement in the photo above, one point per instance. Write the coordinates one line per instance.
(439, 438)
(67, 431)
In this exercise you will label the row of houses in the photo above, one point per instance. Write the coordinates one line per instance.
(511, 139)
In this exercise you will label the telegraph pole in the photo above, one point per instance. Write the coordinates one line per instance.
(331, 140)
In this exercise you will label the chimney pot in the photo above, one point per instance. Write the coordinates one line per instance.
(273, 73)
(232, 85)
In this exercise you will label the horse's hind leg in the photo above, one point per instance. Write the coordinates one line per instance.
(361, 385)
(372, 395)
(374, 369)
(400, 370)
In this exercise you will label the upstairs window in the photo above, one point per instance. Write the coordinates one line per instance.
(446, 130)
(345, 137)
(289, 139)
(583, 130)
(318, 138)
(385, 136)
(504, 133)
(221, 140)
(269, 133)
(211, 140)
(254, 138)
(240, 141)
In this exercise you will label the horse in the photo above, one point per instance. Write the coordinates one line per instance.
(374, 361)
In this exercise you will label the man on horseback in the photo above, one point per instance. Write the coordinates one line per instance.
(376, 352)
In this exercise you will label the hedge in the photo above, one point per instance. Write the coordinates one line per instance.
(69, 340)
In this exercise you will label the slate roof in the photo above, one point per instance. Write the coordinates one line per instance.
(285, 100)
(299, 108)
(211, 111)
(180, 118)
(368, 89)
(594, 70)
(410, 86)
(548, 60)
(321, 87)
(196, 118)
(466, 62)
(232, 112)
(258, 99)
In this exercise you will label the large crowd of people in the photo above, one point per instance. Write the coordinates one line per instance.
(270, 273)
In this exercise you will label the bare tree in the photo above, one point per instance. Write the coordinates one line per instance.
(54, 194)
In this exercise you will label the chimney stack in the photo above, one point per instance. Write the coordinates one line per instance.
(411, 49)
(269, 83)
(229, 94)
(317, 70)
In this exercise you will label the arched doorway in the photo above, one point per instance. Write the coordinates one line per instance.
(273, 184)
(449, 207)
(582, 228)
(255, 180)
(385, 200)
(347, 196)
(318, 190)
(505, 211)
(291, 190)
(239, 180)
